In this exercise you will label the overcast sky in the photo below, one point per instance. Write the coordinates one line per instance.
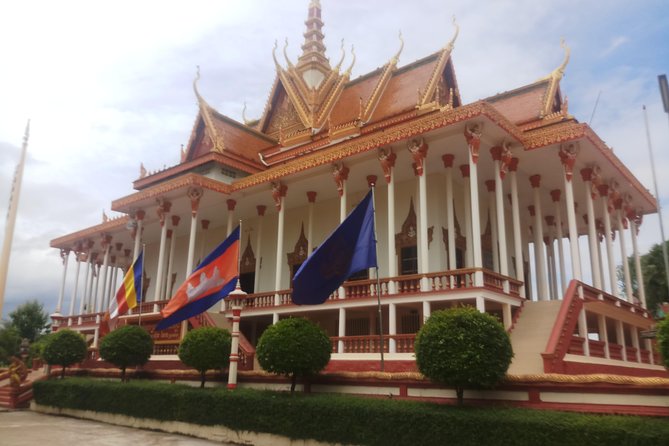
(109, 85)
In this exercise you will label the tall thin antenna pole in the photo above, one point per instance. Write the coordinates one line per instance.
(378, 281)
(594, 109)
(11, 218)
(657, 198)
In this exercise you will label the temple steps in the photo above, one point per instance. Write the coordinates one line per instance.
(530, 336)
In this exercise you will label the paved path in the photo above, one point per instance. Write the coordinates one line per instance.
(26, 428)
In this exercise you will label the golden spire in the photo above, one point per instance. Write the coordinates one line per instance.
(312, 63)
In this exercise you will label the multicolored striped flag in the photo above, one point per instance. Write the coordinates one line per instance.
(129, 295)
(212, 280)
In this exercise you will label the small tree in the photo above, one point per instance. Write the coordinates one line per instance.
(294, 347)
(463, 348)
(30, 320)
(130, 345)
(64, 348)
(10, 340)
(204, 349)
(663, 340)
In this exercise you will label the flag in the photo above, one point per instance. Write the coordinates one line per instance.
(128, 296)
(350, 248)
(211, 281)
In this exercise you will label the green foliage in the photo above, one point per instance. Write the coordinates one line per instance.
(654, 277)
(348, 419)
(130, 345)
(205, 348)
(64, 348)
(9, 343)
(463, 348)
(30, 320)
(663, 340)
(295, 347)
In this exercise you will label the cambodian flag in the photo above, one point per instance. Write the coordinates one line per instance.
(212, 280)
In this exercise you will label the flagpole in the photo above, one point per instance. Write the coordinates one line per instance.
(141, 285)
(378, 281)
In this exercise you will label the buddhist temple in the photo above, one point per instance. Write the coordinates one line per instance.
(488, 204)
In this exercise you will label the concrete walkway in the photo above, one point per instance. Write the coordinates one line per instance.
(26, 428)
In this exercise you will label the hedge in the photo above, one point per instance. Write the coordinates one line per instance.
(349, 419)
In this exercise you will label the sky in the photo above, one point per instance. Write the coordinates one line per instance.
(108, 85)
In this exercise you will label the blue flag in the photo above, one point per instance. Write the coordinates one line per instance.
(349, 249)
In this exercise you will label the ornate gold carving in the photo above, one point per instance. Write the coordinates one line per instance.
(426, 99)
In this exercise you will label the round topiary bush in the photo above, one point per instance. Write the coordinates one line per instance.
(130, 345)
(64, 348)
(463, 348)
(206, 348)
(663, 340)
(295, 347)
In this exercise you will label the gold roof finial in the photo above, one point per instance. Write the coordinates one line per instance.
(348, 72)
(276, 62)
(558, 73)
(205, 111)
(396, 57)
(451, 44)
(285, 54)
(343, 53)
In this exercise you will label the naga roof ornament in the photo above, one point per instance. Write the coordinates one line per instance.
(205, 111)
(554, 81)
(426, 99)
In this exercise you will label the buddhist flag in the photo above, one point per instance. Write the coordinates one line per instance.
(128, 296)
(212, 280)
(349, 249)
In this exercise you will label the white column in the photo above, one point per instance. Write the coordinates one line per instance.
(480, 304)
(555, 194)
(341, 291)
(450, 212)
(427, 310)
(501, 221)
(469, 255)
(635, 343)
(476, 220)
(623, 254)
(507, 317)
(392, 253)
(603, 191)
(342, 330)
(583, 331)
(620, 337)
(170, 263)
(94, 296)
(517, 238)
(571, 220)
(139, 218)
(592, 232)
(279, 192)
(637, 261)
(163, 211)
(540, 253)
(65, 256)
(100, 294)
(261, 218)
(492, 216)
(205, 227)
(231, 216)
(77, 258)
(195, 194)
(603, 334)
(82, 304)
(422, 210)
(311, 198)
(392, 328)
(550, 257)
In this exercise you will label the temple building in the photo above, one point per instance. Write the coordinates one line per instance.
(487, 204)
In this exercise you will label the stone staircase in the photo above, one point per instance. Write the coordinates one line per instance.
(530, 336)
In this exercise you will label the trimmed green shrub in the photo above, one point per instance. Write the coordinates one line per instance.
(204, 349)
(463, 348)
(348, 419)
(10, 340)
(64, 348)
(130, 345)
(295, 347)
(663, 340)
